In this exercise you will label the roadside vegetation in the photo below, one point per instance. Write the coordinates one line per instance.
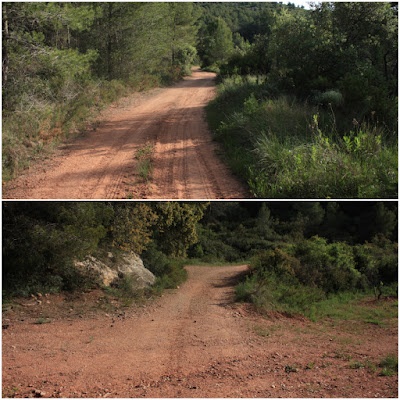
(312, 259)
(64, 62)
(41, 242)
(315, 259)
(307, 100)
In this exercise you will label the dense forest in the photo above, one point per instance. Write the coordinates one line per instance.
(300, 253)
(64, 61)
(309, 95)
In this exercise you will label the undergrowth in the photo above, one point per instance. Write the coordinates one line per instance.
(40, 121)
(318, 279)
(285, 148)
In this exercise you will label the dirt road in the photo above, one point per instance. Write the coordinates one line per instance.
(192, 342)
(104, 164)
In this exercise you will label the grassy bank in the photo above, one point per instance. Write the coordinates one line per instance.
(285, 148)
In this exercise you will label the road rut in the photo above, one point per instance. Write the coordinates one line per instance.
(103, 164)
(193, 342)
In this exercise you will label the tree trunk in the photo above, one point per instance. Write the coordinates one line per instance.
(5, 61)
(109, 42)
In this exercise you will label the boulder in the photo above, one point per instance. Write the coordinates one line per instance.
(130, 266)
(91, 265)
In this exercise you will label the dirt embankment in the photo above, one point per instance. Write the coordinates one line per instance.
(194, 342)
(104, 163)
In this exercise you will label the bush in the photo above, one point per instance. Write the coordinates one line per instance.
(287, 149)
(296, 278)
(330, 97)
(176, 275)
(378, 264)
(155, 260)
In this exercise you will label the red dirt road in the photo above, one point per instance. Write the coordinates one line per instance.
(103, 164)
(193, 342)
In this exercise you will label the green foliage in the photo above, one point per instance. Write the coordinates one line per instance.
(127, 288)
(216, 43)
(340, 74)
(378, 262)
(176, 226)
(316, 278)
(175, 276)
(42, 240)
(62, 62)
(291, 151)
(144, 166)
(131, 226)
(329, 97)
(185, 58)
(40, 243)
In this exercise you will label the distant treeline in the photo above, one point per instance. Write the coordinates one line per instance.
(41, 240)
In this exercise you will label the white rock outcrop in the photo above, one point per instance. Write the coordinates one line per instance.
(130, 266)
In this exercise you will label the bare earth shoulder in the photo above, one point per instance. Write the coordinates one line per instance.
(103, 163)
(194, 342)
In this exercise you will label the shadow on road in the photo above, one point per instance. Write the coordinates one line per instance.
(232, 280)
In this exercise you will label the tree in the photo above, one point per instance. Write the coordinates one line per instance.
(216, 43)
(131, 227)
(182, 29)
(265, 221)
(41, 240)
(39, 49)
(385, 220)
(176, 226)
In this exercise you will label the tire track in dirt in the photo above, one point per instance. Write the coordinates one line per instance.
(193, 342)
(102, 164)
(169, 339)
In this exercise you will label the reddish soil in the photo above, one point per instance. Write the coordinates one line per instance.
(191, 342)
(103, 163)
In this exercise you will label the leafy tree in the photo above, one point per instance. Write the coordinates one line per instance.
(41, 240)
(40, 35)
(265, 222)
(182, 29)
(216, 42)
(176, 226)
(131, 227)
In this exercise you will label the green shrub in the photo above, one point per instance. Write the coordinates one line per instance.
(313, 277)
(332, 97)
(176, 275)
(155, 260)
(245, 290)
(287, 149)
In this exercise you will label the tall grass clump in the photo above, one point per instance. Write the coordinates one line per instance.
(284, 148)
